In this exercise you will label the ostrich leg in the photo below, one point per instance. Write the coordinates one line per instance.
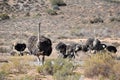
(21, 53)
(43, 59)
(38, 59)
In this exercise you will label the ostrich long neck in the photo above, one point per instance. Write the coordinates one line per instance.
(39, 33)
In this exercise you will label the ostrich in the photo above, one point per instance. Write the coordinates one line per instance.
(84, 48)
(111, 48)
(74, 48)
(20, 47)
(68, 50)
(40, 46)
(94, 44)
(61, 48)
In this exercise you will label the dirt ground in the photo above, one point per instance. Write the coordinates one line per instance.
(72, 24)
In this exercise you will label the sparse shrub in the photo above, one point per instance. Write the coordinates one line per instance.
(47, 68)
(7, 68)
(16, 66)
(4, 16)
(59, 76)
(113, 1)
(3, 50)
(74, 77)
(64, 70)
(3, 75)
(26, 77)
(58, 2)
(51, 12)
(116, 75)
(101, 65)
(97, 20)
(61, 69)
(27, 14)
(62, 37)
(115, 19)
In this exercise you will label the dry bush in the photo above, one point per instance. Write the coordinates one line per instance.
(116, 69)
(26, 77)
(6, 67)
(4, 16)
(96, 20)
(3, 50)
(51, 12)
(101, 65)
(117, 19)
(16, 65)
(58, 2)
(113, 1)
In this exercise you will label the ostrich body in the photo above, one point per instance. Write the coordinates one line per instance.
(67, 50)
(61, 48)
(111, 48)
(92, 43)
(20, 47)
(95, 45)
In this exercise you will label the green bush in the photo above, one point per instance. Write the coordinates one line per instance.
(3, 75)
(102, 65)
(51, 12)
(60, 69)
(47, 68)
(4, 16)
(58, 2)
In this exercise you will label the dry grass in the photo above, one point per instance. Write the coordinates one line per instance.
(103, 65)
(17, 65)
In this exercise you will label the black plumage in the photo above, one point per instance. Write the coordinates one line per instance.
(61, 47)
(20, 47)
(111, 48)
(68, 50)
(45, 46)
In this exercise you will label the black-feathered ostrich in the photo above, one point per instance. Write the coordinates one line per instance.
(61, 48)
(67, 50)
(20, 47)
(95, 45)
(40, 46)
(111, 48)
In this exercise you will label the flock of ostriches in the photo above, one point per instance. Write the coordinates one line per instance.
(42, 45)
